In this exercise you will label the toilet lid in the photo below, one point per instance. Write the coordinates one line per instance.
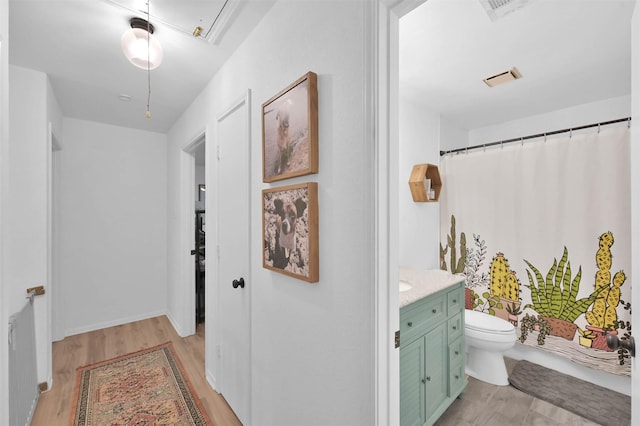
(488, 323)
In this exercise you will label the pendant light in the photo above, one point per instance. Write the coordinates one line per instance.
(142, 49)
(139, 45)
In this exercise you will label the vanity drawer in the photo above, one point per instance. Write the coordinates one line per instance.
(457, 379)
(456, 327)
(456, 352)
(455, 300)
(417, 317)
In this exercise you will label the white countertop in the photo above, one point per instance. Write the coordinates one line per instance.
(425, 282)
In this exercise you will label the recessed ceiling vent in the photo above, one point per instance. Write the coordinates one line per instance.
(503, 77)
(497, 9)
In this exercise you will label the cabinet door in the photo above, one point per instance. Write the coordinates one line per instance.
(412, 397)
(436, 361)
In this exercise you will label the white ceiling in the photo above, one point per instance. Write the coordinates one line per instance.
(77, 43)
(569, 52)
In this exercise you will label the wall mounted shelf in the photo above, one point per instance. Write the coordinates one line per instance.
(418, 183)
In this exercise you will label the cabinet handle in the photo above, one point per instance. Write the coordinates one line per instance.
(428, 378)
(455, 327)
(456, 352)
(434, 311)
(457, 377)
(455, 300)
(410, 324)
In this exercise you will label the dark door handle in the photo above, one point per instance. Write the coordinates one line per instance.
(629, 344)
(238, 283)
(193, 252)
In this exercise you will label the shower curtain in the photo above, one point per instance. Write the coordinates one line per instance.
(541, 231)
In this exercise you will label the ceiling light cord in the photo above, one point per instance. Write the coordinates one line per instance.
(148, 113)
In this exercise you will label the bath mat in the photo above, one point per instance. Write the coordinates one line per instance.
(593, 402)
(145, 387)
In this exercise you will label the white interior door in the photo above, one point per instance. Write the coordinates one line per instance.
(234, 281)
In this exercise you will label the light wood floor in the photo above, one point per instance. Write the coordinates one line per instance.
(480, 404)
(483, 404)
(54, 405)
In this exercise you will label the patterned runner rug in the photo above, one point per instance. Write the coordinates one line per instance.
(143, 388)
(596, 403)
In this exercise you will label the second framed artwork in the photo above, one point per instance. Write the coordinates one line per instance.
(290, 131)
(290, 230)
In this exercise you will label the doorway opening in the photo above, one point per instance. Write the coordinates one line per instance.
(200, 222)
(193, 164)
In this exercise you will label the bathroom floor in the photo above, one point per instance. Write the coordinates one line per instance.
(485, 404)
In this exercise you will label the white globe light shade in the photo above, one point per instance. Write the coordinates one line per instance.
(134, 46)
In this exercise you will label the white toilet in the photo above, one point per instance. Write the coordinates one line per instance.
(486, 338)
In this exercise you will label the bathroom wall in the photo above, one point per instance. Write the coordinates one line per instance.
(419, 142)
(578, 115)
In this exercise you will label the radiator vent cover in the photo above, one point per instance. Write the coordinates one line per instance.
(497, 9)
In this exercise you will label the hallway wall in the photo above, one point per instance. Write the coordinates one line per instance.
(33, 107)
(113, 230)
(4, 162)
(312, 344)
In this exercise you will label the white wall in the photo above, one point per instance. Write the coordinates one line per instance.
(419, 229)
(113, 225)
(31, 109)
(312, 344)
(4, 166)
(594, 112)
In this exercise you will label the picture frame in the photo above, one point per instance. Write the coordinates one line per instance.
(290, 230)
(290, 131)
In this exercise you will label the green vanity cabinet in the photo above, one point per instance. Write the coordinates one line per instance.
(431, 355)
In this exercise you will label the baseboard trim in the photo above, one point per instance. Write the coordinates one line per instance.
(113, 323)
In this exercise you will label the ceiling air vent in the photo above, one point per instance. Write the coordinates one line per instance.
(503, 77)
(497, 9)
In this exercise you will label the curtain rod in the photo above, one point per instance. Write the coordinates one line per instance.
(539, 135)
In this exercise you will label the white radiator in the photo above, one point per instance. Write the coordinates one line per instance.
(23, 378)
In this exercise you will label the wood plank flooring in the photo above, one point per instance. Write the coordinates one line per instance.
(54, 405)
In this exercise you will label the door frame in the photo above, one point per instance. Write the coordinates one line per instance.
(186, 325)
(635, 195)
(382, 111)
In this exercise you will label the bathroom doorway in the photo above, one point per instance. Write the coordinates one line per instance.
(400, 9)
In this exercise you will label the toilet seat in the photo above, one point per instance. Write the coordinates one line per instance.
(488, 327)
(489, 336)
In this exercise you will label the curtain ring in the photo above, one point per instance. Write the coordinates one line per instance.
(501, 144)
(598, 128)
(466, 150)
(521, 142)
(545, 138)
(628, 122)
(484, 147)
(570, 133)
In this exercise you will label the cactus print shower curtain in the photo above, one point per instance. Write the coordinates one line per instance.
(542, 234)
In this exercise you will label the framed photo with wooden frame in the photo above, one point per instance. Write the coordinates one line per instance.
(290, 131)
(290, 230)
